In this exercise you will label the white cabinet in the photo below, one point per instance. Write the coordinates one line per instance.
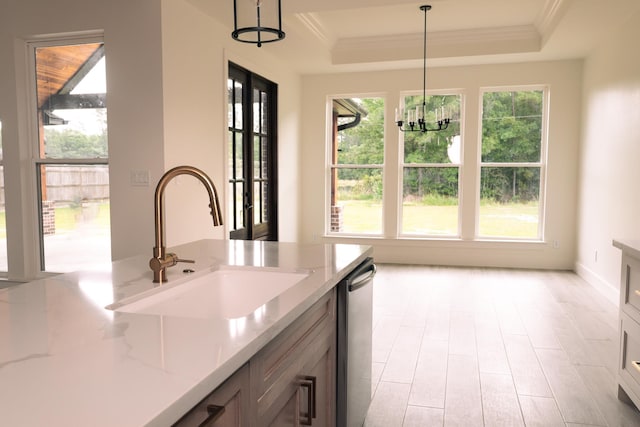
(629, 362)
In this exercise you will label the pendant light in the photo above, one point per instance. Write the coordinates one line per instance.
(257, 21)
(416, 119)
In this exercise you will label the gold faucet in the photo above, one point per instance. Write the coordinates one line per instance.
(161, 259)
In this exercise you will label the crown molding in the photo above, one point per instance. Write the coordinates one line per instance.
(550, 16)
(443, 44)
(315, 27)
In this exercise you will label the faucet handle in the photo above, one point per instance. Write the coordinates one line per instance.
(173, 259)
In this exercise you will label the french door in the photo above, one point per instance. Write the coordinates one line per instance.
(252, 211)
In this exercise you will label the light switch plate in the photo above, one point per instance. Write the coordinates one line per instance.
(140, 178)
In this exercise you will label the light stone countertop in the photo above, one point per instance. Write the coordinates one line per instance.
(65, 360)
(632, 246)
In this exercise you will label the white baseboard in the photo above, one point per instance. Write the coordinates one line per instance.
(609, 291)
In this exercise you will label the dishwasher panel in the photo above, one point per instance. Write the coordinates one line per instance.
(355, 301)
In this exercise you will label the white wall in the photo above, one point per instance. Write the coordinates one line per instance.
(196, 51)
(564, 80)
(132, 37)
(609, 204)
(166, 80)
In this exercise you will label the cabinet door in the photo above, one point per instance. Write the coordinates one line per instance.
(292, 378)
(312, 400)
(226, 406)
(289, 413)
(324, 398)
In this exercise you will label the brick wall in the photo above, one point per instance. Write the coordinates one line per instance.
(336, 218)
(48, 217)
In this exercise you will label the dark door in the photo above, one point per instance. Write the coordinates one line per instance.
(252, 156)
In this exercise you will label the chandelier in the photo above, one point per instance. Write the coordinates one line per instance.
(268, 22)
(416, 119)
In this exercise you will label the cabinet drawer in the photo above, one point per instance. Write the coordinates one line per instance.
(630, 355)
(275, 369)
(630, 287)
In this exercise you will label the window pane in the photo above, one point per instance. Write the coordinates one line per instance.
(358, 206)
(236, 207)
(509, 202)
(359, 124)
(71, 88)
(434, 147)
(75, 217)
(512, 126)
(235, 104)
(430, 201)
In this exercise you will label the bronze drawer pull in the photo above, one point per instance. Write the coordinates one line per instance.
(215, 412)
(309, 383)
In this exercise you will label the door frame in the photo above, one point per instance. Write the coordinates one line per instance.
(266, 230)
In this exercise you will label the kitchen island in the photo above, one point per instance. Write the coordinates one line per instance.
(66, 360)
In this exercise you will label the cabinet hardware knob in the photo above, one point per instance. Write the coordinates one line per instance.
(636, 364)
(637, 292)
(215, 412)
(309, 382)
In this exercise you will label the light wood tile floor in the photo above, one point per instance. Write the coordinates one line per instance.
(493, 347)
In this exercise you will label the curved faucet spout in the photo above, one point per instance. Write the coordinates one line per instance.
(161, 260)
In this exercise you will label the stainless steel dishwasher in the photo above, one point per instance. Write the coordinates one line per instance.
(355, 329)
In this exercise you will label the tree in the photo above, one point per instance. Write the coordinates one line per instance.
(431, 148)
(71, 143)
(364, 144)
(511, 133)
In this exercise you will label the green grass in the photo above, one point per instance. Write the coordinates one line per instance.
(362, 216)
(512, 220)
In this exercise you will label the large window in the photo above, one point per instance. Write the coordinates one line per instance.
(511, 164)
(479, 178)
(71, 162)
(357, 152)
(431, 170)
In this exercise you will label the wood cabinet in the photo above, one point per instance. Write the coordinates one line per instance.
(293, 377)
(226, 406)
(629, 362)
(289, 382)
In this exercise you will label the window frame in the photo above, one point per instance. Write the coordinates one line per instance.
(542, 164)
(36, 160)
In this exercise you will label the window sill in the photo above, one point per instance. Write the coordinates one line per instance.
(435, 242)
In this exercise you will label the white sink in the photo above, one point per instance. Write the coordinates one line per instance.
(229, 293)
